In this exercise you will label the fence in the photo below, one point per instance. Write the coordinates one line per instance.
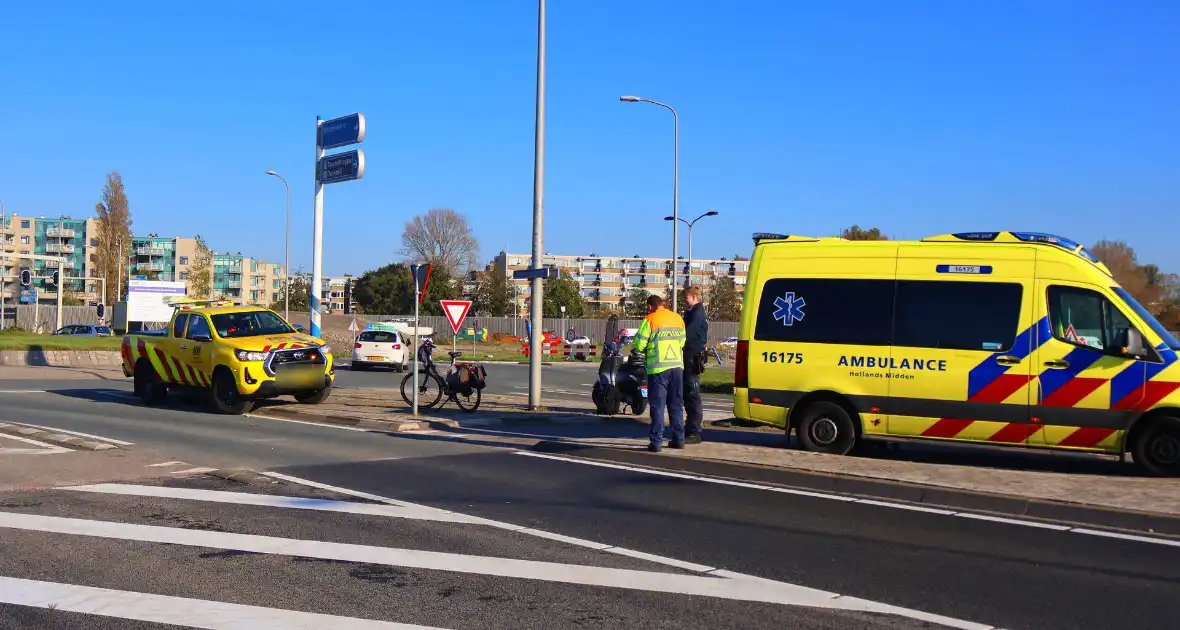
(595, 329)
(26, 317)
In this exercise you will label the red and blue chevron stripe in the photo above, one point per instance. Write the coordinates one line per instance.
(1134, 390)
(990, 382)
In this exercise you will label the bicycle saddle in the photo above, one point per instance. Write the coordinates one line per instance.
(454, 354)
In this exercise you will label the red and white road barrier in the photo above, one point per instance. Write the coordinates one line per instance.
(580, 351)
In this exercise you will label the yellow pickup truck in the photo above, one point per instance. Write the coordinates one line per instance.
(237, 355)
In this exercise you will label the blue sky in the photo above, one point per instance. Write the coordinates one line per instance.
(917, 117)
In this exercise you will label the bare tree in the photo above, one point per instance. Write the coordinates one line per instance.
(442, 237)
(200, 272)
(114, 235)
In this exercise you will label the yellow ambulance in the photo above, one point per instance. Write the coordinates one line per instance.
(1005, 338)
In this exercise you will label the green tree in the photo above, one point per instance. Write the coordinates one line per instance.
(300, 294)
(564, 291)
(723, 302)
(681, 307)
(857, 233)
(386, 291)
(493, 294)
(113, 214)
(200, 271)
(442, 286)
(636, 303)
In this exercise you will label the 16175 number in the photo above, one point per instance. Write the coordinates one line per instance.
(782, 357)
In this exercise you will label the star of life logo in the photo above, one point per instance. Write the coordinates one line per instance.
(789, 309)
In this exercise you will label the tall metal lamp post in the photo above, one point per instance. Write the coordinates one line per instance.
(711, 213)
(287, 255)
(675, 177)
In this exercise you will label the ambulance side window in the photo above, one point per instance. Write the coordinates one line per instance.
(1085, 318)
(826, 310)
(954, 315)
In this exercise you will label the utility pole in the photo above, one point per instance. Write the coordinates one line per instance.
(538, 299)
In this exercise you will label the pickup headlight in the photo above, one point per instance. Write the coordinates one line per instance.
(325, 349)
(244, 355)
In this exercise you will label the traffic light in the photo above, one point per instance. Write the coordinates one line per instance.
(101, 309)
(55, 279)
(26, 277)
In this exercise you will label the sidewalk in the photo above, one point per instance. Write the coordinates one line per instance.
(503, 420)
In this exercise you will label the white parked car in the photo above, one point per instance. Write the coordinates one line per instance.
(730, 343)
(383, 348)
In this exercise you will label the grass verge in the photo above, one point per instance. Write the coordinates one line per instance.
(717, 381)
(26, 341)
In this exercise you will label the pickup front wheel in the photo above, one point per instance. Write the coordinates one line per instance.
(226, 398)
(313, 398)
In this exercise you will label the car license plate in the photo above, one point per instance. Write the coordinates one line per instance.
(376, 358)
(300, 376)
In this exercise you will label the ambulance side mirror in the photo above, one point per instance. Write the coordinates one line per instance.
(1131, 341)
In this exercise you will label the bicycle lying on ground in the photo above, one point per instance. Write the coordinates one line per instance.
(463, 382)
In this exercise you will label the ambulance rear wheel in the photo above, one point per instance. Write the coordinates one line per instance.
(1156, 447)
(826, 428)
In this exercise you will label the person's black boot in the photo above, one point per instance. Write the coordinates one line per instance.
(692, 438)
(655, 448)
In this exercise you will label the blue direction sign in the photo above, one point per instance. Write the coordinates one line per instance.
(342, 167)
(545, 273)
(343, 131)
(28, 296)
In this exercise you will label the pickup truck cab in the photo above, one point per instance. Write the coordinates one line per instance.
(237, 355)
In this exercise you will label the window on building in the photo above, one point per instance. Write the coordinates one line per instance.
(24, 240)
(184, 260)
(184, 275)
(814, 310)
(981, 316)
(94, 242)
(24, 225)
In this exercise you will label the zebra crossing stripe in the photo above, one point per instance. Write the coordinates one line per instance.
(178, 611)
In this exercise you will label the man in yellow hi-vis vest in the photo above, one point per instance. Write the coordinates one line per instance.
(661, 339)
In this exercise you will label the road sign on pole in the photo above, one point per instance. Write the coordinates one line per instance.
(456, 312)
(343, 131)
(544, 273)
(421, 276)
(342, 167)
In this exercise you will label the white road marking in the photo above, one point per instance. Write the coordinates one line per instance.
(672, 562)
(43, 448)
(277, 501)
(178, 611)
(873, 502)
(194, 471)
(22, 391)
(77, 433)
(314, 424)
(167, 464)
(735, 587)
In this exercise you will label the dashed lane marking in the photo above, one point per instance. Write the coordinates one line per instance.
(77, 433)
(873, 502)
(42, 447)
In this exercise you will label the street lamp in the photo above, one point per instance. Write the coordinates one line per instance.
(287, 256)
(675, 176)
(711, 213)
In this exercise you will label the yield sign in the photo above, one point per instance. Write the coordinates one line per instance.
(456, 311)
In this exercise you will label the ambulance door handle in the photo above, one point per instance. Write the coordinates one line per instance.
(1007, 360)
(1057, 364)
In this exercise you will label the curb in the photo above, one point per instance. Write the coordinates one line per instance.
(393, 426)
(879, 489)
(243, 475)
(474, 422)
(60, 439)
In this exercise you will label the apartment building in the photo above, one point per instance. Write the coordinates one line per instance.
(335, 292)
(246, 280)
(62, 237)
(608, 280)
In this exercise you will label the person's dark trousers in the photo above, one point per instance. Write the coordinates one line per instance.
(665, 392)
(693, 411)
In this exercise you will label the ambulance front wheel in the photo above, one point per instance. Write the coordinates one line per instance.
(826, 428)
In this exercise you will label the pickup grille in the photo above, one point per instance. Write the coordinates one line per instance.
(296, 356)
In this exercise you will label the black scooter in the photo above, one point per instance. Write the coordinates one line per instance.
(621, 380)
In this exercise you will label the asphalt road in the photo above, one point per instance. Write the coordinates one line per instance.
(992, 573)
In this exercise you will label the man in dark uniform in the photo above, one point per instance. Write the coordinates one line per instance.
(696, 329)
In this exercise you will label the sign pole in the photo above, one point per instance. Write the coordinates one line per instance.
(417, 325)
(61, 283)
(538, 288)
(317, 237)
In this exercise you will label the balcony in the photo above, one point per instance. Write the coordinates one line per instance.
(57, 232)
(59, 248)
(150, 250)
(151, 266)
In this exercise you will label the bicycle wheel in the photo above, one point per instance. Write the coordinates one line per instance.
(468, 403)
(430, 390)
